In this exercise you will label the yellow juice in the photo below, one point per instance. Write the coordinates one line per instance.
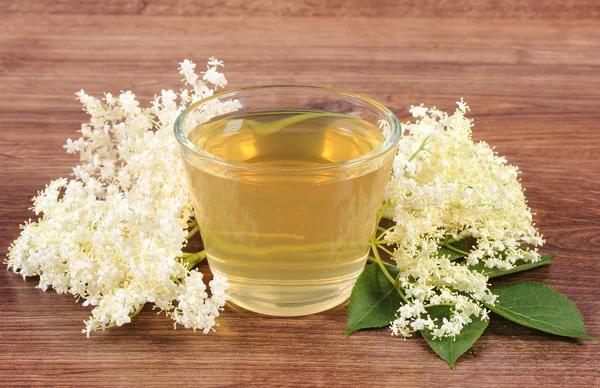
(283, 217)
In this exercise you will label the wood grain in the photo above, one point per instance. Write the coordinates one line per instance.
(530, 70)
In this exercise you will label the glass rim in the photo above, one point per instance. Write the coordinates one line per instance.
(390, 141)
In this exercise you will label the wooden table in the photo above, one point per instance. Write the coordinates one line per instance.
(530, 71)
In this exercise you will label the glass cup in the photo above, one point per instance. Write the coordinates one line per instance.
(291, 238)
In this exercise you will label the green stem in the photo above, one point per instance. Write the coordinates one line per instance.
(442, 304)
(377, 258)
(382, 234)
(445, 245)
(137, 311)
(421, 148)
(193, 259)
(192, 232)
(371, 259)
(380, 263)
(387, 274)
(131, 315)
(385, 206)
(385, 249)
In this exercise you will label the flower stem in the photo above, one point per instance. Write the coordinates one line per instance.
(137, 311)
(377, 259)
(441, 304)
(382, 234)
(375, 246)
(192, 232)
(380, 246)
(131, 315)
(385, 206)
(448, 246)
(193, 259)
(380, 263)
(421, 148)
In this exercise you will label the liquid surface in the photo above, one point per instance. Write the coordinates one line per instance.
(291, 242)
(296, 139)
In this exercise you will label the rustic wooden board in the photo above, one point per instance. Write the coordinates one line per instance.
(530, 70)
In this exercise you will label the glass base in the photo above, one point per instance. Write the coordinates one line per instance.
(290, 309)
(288, 299)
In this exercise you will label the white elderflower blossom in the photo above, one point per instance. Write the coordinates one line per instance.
(114, 235)
(418, 111)
(445, 188)
(214, 77)
(195, 309)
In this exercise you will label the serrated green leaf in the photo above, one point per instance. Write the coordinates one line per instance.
(540, 307)
(374, 300)
(450, 349)
(519, 266)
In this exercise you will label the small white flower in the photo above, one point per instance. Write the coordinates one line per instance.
(212, 61)
(128, 102)
(214, 77)
(185, 96)
(418, 111)
(462, 106)
(168, 95)
(186, 67)
(110, 100)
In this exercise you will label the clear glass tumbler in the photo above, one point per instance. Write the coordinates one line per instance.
(286, 183)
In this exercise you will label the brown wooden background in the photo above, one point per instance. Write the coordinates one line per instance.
(530, 71)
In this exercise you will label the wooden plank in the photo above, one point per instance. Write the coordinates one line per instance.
(530, 70)
(458, 9)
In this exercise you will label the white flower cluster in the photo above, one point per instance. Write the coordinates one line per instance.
(427, 280)
(194, 308)
(114, 235)
(446, 188)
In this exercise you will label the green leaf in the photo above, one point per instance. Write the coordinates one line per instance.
(374, 301)
(519, 266)
(450, 349)
(540, 307)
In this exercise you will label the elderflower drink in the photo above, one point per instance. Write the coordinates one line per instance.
(286, 191)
